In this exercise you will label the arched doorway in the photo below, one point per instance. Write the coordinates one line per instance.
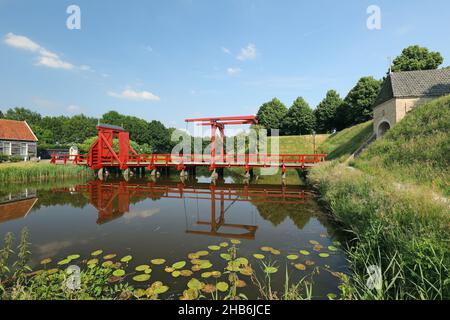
(383, 128)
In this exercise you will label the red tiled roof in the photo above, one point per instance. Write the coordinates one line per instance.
(16, 130)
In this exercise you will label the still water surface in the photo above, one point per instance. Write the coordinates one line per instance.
(167, 219)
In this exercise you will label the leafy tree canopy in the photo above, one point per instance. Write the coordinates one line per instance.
(270, 115)
(417, 58)
(299, 119)
(325, 112)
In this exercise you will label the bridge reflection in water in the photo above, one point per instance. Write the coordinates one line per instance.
(113, 199)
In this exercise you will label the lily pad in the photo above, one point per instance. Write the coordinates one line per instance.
(141, 277)
(241, 261)
(52, 271)
(270, 270)
(64, 262)
(158, 261)
(222, 286)
(216, 274)
(186, 273)
(119, 273)
(202, 253)
(161, 289)
(235, 241)
(46, 261)
(169, 269)
(142, 267)
(331, 296)
(225, 256)
(92, 261)
(179, 265)
(292, 257)
(176, 274)
(246, 271)
(258, 256)
(110, 256)
(206, 275)
(275, 252)
(96, 253)
(107, 264)
(300, 266)
(313, 242)
(324, 255)
(194, 284)
(126, 259)
(209, 288)
(240, 283)
(224, 244)
(73, 256)
(332, 248)
(305, 252)
(266, 249)
(148, 271)
(205, 264)
(214, 248)
(193, 256)
(309, 263)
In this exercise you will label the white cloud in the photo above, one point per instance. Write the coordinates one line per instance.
(73, 108)
(45, 57)
(135, 95)
(233, 71)
(247, 53)
(226, 50)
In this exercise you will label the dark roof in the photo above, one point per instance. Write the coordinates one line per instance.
(415, 84)
(110, 126)
(16, 130)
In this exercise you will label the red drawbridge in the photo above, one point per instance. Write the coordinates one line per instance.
(104, 154)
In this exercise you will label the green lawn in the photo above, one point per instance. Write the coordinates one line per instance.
(298, 144)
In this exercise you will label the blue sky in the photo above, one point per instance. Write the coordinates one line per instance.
(169, 60)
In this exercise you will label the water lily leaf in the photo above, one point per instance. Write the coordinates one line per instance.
(309, 263)
(179, 264)
(110, 256)
(138, 293)
(270, 270)
(189, 294)
(222, 286)
(241, 261)
(324, 255)
(202, 253)
(214, 248)
(246, 271)
(126, 259)
(195, 268)
(216, 274)
(300, 266)
(107, 264)
(92, 261)
(195, 284)
(205, 264)
(169, 269)
(148, 271)
(141, 277)
(240, 283)
(275, 252)
(225, 256)
(156, 284)
(158, 261)
(258, 256)
(317, 247)
(46, 261)
(235, 241)
(206, 275)
(266, 249)
(119, 273)
(313, 242)
(336, 243)
(64, 262)
(96, 253)
(305, 252)
(161, 289)
(224, 244)
(176, 274)
(209, 288)
(292, 257)
(193, 256)
(52, 271)
(73, 256)
(332, 248)
(186, 273)
(142, 267)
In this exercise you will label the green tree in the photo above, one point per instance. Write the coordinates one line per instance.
(357, 105)
(325, 113)
(417, 58)
(271, 114)
(22, 114)
(299, 119)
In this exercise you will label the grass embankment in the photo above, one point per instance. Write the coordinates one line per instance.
(403, 229)
(297, 144)
(38, 171)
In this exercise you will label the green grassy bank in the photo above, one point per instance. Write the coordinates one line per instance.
(39, 171)
(393, 202)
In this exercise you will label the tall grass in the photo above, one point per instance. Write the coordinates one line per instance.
(29, 171)
(405, 232)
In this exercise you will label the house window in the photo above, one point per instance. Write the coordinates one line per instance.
(7, 148)
(24, 149)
